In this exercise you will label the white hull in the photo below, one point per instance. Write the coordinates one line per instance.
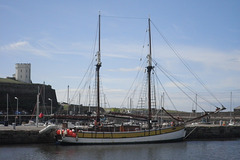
(172, 136)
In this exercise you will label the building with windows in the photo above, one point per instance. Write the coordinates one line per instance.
(23, 72)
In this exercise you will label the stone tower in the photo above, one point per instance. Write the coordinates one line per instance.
(23, 72)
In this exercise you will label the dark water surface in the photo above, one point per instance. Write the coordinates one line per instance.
(187, 150)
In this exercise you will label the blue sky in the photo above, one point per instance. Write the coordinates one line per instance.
(57, 38)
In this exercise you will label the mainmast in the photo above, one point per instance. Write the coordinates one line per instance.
(149, 69)
(98, 65)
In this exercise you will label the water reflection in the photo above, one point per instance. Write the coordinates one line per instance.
(113, 152)
(181, 150)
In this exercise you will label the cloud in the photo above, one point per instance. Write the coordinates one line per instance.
(125, 69)
(42, 47)
(129, 69)
(17, 45)
(23, 47)
(116, 56)
(227, 60)
(205, 57)
(121, 50)
(14, 46)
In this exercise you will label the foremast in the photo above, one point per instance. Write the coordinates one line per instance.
(149, 70)
(98, 66)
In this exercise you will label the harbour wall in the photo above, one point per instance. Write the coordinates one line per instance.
(24, 97)
(201, 132)
(25, 135)
(22, 135)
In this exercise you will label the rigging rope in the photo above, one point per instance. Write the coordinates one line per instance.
(189, 88)
(89, 67)
(123, 17)
(185, 64)
(179, 87)
(124, 100)
(166, 92)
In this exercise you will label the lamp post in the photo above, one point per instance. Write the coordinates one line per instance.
(17, 104)
(7, 106)
(51, 104)
(17, 110)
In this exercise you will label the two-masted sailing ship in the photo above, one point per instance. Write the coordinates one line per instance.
(110, 133)
(122, 134)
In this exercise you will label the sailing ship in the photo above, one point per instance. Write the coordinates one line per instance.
(111, 133)
(130, 134)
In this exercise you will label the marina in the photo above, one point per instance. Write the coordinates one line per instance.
(147, 81)
(119, 80)
(142, 124)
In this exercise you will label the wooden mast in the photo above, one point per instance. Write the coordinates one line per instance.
(149, 69)
(98, 65)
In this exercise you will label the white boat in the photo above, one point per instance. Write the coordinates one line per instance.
(142, 136)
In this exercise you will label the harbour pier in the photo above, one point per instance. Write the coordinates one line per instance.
(24, 135)
(30, 134)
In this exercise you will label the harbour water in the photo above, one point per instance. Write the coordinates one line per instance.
(191, 150)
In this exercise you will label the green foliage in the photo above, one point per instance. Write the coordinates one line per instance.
(65, 107)
(115, 110)
(7, 80)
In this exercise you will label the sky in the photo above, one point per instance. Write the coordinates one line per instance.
(58, 39)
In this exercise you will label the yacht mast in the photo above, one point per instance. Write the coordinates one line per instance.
(149, 69)
(98, 65)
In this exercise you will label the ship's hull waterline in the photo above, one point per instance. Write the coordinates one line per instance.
(152, 136)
